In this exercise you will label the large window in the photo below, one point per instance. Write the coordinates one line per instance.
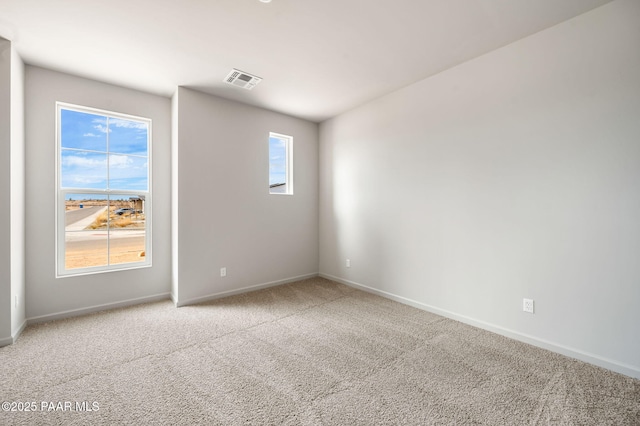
(103, 190)
(280, 164)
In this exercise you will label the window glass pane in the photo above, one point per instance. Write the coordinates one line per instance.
(127, 172)
(127, 229)
(100, 155)
(128, 137)
(85, 231)
(277, 165)
(83, 130)
(82, 169)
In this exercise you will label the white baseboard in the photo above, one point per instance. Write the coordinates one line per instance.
(14, 335)
(222, 294)
(18, 332)
(609, 364)
(97, 308)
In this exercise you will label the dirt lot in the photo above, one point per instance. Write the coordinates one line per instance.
(88, 248)
(83, 254)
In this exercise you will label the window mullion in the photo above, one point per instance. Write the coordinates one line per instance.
(109, 230)
(108, 199)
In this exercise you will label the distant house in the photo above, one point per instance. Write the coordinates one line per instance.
(137, 203)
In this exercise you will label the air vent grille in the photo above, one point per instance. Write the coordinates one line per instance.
(242, 79)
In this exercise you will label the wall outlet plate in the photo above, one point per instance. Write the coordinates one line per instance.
(348, 263)
(527, 305)
(223, 272)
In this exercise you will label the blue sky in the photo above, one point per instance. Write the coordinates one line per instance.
(85, 159)
(277, 160)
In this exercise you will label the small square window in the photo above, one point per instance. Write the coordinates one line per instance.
(280, 164)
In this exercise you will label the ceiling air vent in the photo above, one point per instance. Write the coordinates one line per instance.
(242, 79)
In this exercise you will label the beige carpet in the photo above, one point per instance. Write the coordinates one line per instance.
(309, 353)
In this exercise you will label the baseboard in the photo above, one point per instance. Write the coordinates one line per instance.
(18, 332)
(609, 364)
(97, 308)
(228, 293)
(14, 335)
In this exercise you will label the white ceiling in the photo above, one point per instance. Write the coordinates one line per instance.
(318, 58)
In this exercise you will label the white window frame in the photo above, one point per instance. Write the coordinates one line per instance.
(61, 193)
(288, 162)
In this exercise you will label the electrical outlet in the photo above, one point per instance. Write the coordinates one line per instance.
(348, 263)
(223, 272)
(527, 305)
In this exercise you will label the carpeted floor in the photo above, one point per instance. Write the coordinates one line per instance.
(308, 353)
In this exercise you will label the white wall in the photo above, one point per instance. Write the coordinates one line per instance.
(175, 200)
(12, 258)
(18, 290)
(226, 217)
(5, 192)
(47, 296)
(514, 175)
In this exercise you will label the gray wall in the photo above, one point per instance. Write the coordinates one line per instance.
(12, 255)
(513, 175)
(46, 295)
(5, 192)
(18, 289)
(175, 200)
(225, 216)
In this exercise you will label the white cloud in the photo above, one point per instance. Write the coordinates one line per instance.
(101, 128)
(120, 161)
(85, 180)
(100, 125)
(84, 162)
(127, 124)
(91, 135)
(115, 161)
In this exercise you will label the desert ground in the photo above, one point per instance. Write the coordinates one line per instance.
(86, 232)
(93, 252)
